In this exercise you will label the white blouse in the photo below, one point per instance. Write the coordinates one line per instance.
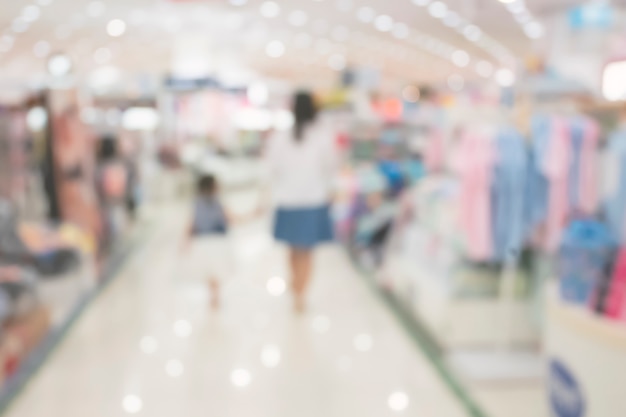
(301, 173)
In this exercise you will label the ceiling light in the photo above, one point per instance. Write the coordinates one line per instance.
(398, 401)
(298, 18)
(276, 286)
(456, 82)
(116, 28)
(321, 324)
(523, 18)
(271, 356)
(148, 345)
(102, 56)
(505, 77)
(337, 62)
(472, 33)
(303, 40)
(438, 10)
(345, 5)
(516, 7)
(270, 9)
(19, 25)
(484, 69)
(460, 58)
(383, 23)
(42, 49)
(37, 119)
(95, 9)
(59, 65)
(534, 30)
(340, 33)
(275, 49)
(258, 94)
(366, 14)
(421, 3)
(507, 1)
(174, 368)
(183, 329)
(31, 13)
(411, 94)
(240, 378)
(452, 19)
(363, 343)
(132, 404)
(401, 31)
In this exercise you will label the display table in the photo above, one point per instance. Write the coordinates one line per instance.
(587, 360)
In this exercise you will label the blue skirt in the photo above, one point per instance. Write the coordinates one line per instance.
(303, 228)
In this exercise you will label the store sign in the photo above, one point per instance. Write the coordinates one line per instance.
(591, 16)
(566, 397)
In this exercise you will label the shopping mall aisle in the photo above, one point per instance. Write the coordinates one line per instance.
(150, 345)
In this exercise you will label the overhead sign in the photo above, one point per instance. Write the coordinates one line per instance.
(591, 16)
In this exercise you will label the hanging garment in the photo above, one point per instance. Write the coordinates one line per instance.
(557, 171)
(583, 186)
(510, 176)
(476, 159)
(615, 185)
(537, 188)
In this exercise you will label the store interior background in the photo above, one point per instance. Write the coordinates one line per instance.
(481, 200)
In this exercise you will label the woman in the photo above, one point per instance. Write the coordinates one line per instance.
(302, 169)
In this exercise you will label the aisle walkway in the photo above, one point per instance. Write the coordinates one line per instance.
(150, 346)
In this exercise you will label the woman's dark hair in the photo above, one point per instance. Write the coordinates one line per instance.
(304, 111)
(108, 148)
(207, 185)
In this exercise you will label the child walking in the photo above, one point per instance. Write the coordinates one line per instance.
(208, 235)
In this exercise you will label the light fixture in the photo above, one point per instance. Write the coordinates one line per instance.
(95, 8)
(438, 9)
(59, 65)
(37, 119)
(102, 56)
(31, 13)
(366, 14)
(240, 378)
(484, 69)
(505, 77)
(183, 329)
(534, 30)
(148, 345)
(41, 49)
(116, 28)
(340, 33)
(383, 23)
(401, 31)
(258, 94)
(411, 94)
(460, 58)
(337, 62)
(276, 286)
(421, 3)
(321, 324)
(132, 404)
(398, 401)
(275, 49)
(456, 82)
(271, 356)
(270, 9)
(472, 33)
(452, 19)
(174, 368)
(363, 342)
(298, 18)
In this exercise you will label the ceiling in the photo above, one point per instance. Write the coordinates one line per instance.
(319, 37)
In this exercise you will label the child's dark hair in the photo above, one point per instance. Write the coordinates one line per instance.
(207, 185)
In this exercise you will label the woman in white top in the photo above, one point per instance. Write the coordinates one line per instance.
(302, 169)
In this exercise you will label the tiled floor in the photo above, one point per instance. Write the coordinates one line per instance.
(150, 346)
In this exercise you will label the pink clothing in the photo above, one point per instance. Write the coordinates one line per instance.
(615, 306)
(589, 184)
(476, 160)
(557, 170)
(435, 151)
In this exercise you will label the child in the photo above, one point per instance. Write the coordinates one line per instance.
(209, 234)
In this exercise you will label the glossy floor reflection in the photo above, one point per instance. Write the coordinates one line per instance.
(150, 345)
